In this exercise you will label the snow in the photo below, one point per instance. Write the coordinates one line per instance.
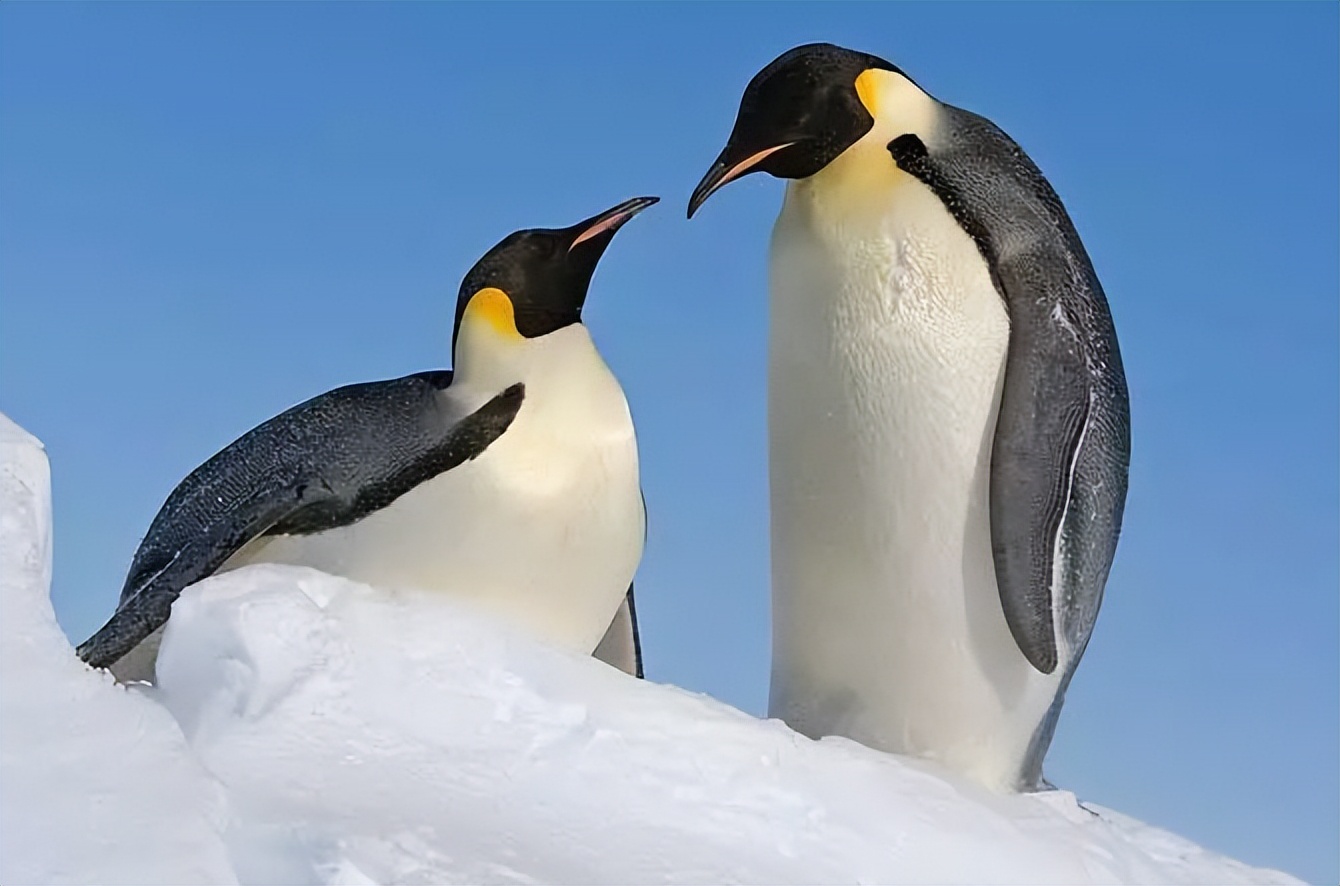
(99, 786)
(308, 729)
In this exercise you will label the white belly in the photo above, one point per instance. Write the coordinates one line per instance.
(545, 529)
(886, 357)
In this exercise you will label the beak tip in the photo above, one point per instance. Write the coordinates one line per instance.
(637, 204)
(724, 171)
(698, 198)
(609, 221)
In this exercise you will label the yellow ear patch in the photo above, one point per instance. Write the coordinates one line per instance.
(492, 307)
(867, 90)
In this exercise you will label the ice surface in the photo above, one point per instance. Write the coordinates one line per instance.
(354, 735)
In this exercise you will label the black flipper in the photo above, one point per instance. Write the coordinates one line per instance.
(621, 646)
(324, 463)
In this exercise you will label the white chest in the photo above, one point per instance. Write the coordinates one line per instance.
(887, 351)
(887, 345)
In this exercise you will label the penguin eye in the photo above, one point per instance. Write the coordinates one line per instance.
(545, 248)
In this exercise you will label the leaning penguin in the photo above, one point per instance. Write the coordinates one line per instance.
(511, 481)
(949, 427)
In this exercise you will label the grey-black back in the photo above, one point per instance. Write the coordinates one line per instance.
(327, 462)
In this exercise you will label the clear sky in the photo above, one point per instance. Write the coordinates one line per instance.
(211, 212)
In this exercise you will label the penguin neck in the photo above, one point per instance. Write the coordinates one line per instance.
(862, 178)
(562, 371)
(487, 359)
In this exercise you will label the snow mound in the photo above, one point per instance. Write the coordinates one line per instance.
(99, 785)
(375, 736)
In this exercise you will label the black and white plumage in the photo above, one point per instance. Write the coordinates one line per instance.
(511, 481)
(949, 422)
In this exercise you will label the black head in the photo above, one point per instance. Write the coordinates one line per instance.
(534, 282)
(797, 115)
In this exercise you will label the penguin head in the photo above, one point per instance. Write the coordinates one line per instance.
(534, 282)
(799, 114)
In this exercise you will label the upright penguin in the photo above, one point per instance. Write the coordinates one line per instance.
(511, 480)
(948, 419)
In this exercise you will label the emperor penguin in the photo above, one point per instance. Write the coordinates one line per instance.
(510, 481)
(949, 426)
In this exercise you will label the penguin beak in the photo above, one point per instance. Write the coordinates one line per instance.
(727, 169)
(599, 229)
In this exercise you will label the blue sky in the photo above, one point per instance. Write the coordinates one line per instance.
(211, 212)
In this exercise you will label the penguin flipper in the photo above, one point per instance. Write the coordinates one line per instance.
(1044, 409)
(147, 608)
(326, 462)
(621, 647)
